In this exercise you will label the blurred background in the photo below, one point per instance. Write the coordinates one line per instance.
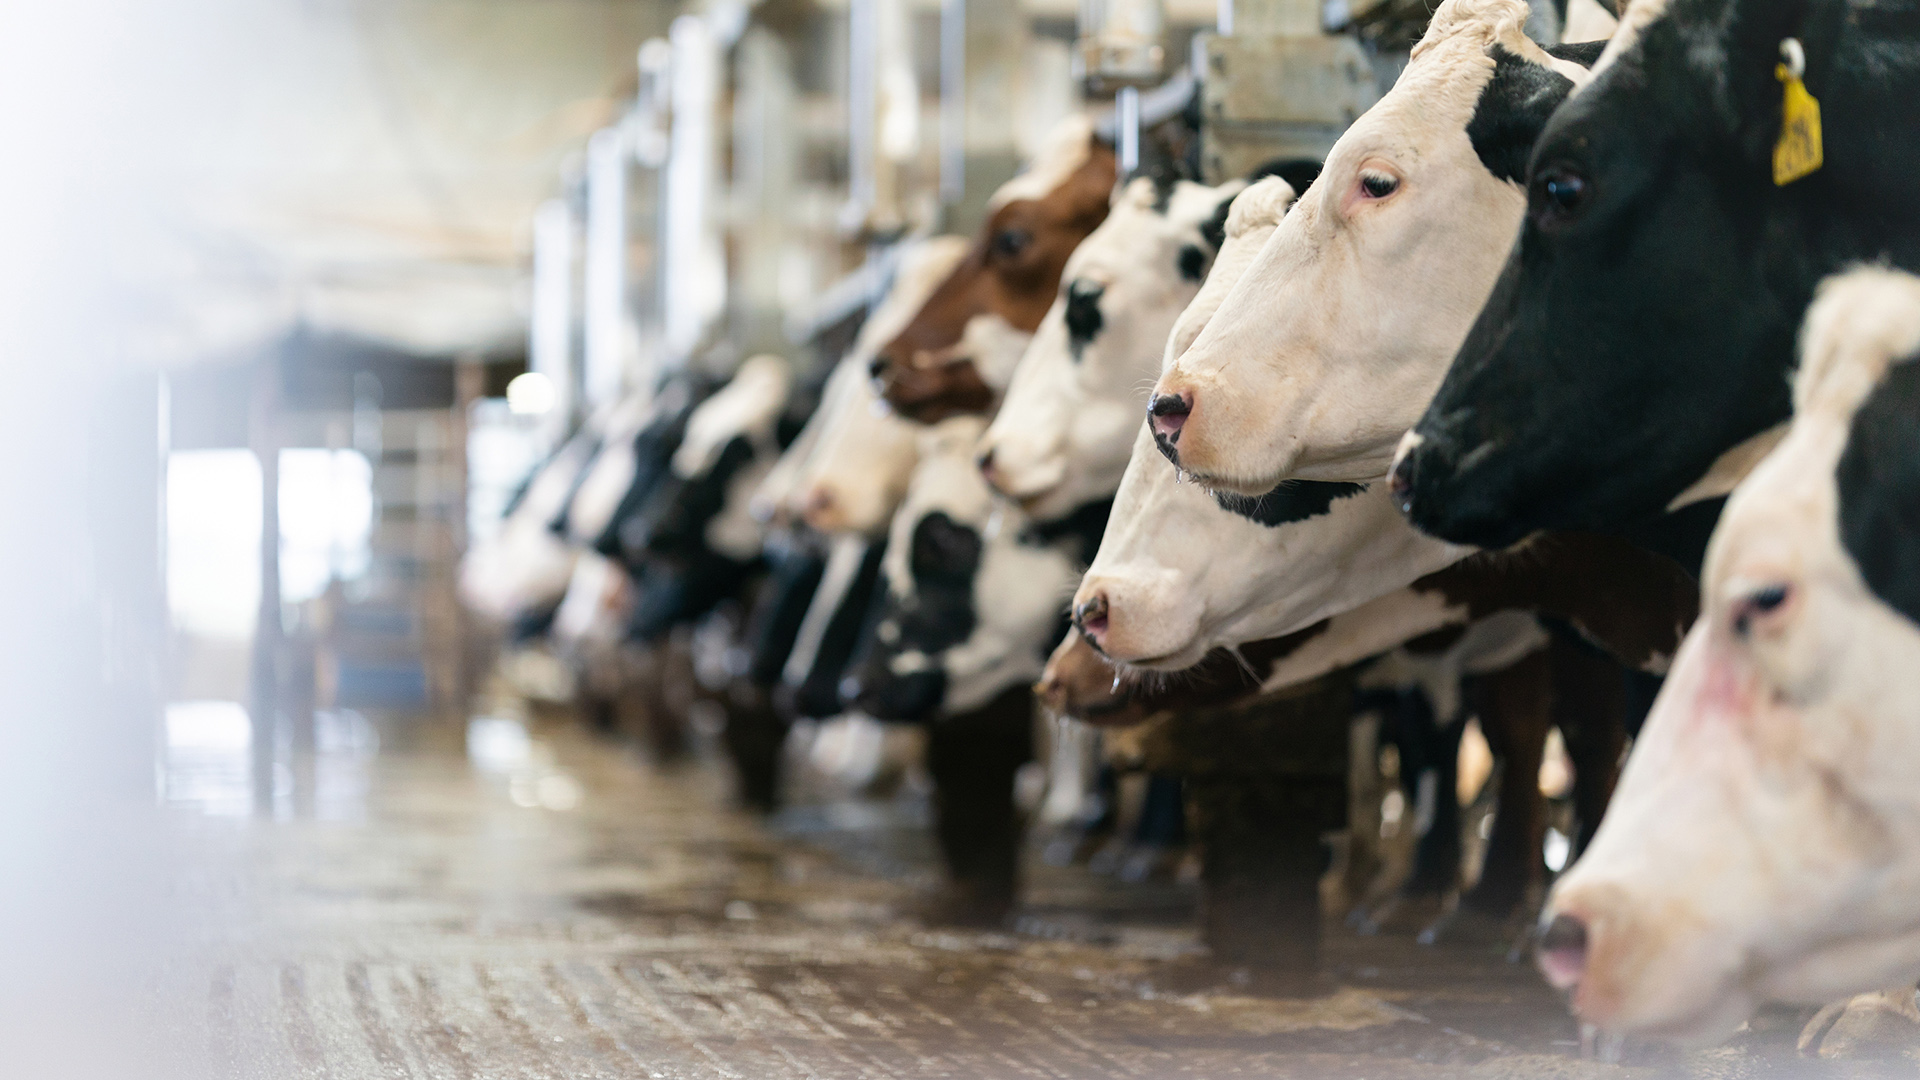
(295, 295)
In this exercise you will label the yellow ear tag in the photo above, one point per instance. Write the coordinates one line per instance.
(1798, 153)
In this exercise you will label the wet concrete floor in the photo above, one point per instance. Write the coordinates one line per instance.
(522, 899)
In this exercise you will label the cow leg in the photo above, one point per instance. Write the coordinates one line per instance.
(755, 738)
(1264, 852)
(972, 758)
(1590, 706)
(1161, 831)
(1515, 710)
(1432, 749)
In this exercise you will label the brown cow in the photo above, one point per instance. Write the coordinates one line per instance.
(957, 354)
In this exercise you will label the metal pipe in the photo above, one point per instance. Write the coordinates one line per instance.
(550, 330)
(1126, 106)
(953, 100)
(862, 103)
(606, 267)
(693, 266)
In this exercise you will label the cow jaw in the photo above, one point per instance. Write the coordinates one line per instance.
(1176, 575)
(1332, 343)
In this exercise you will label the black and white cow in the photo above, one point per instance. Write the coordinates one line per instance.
(1764, 844)
(972, 598)
(1063, 432)
(1643, 328)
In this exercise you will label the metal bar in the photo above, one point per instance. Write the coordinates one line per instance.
(953, 100)
(1126, 106)
(550, 330)
(862, 101)
(606, 266)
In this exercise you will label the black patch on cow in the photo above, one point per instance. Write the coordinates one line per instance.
(944, 559)
(1879, 484)
(1515, 104)
(1193, 262)
(1291, 501)
(653, 451)
(1646, 320)
(1083, 314)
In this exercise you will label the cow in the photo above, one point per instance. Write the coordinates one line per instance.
(1062, 436)
(972, 597)
(958, 351)
(517, 577)
(1634, 352)
(1332, 341)
(849, 469)
(1764, 843)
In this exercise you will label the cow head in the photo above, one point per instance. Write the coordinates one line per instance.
(1178, 574)
(1333, 340)
(1062, 436)
(1764, 842)
(1644, 324)
(857, 455)
(958, 351)
(971, 607)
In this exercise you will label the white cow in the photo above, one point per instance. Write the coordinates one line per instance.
(848, 470)
(1764, 842)
(1333, 341)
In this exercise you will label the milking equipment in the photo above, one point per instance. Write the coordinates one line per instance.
(1275, 83)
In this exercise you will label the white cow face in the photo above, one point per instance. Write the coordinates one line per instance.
(971, 607)
(1064, 430)
(1177, 575)
(1333, 341)
(1764, 843)
(857, 454)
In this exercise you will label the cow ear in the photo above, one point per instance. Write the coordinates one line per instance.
(1513, 108)
(1879, 485)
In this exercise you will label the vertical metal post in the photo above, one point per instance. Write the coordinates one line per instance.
(1126, 107)
(550, 331)
(1223, 16)
(264, 682)
(693, 266)
(953, 100)
(862, 104)
(606, 267)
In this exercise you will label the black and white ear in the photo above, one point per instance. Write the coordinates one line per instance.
(1879, 484)
(1514, 107)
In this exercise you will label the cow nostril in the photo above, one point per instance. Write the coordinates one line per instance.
(1091, 616)
(1401, 482)
(985, 461)
(1562, 952)
(877, 367)
(1168, 414)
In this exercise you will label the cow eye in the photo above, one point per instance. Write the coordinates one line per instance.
(1758, 604)
(1376, 185)
(1559, 194)
(1010, 243)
